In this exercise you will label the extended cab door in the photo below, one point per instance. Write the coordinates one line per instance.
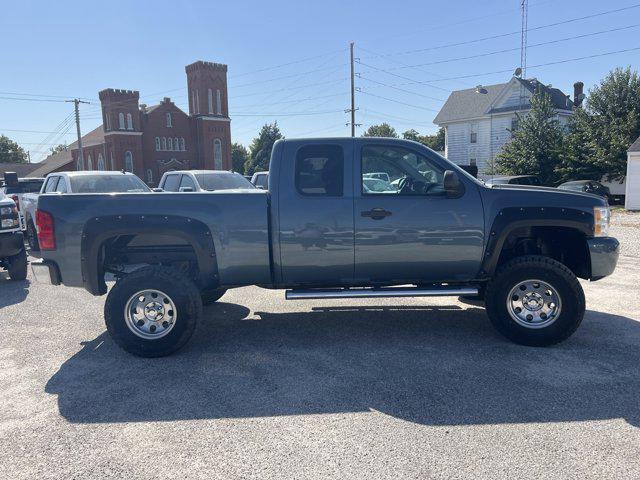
(315, 212)
(407, 230)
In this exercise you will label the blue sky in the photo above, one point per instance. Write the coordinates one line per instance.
(54, 50)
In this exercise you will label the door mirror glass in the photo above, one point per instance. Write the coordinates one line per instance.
(452, 185)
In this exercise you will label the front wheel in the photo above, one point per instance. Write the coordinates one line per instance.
(535, 301)
(153, 311)
(17, 268)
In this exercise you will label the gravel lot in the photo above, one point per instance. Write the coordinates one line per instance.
(384, 388)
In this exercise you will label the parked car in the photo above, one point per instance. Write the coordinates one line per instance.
(13, 256)
(320, 234)
(202, 181)
(76, 182)
(587, 186)
(261, 180)
(515, 180)
(15, 187)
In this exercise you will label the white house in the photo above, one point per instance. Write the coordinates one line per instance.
(632, 194)
(479, 121)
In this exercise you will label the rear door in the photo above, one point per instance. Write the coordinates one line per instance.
(315, 213)
(408, 230)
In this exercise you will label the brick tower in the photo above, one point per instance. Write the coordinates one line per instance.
(122, 130)
(209, 112)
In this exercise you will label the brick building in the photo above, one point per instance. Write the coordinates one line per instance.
(150, 140)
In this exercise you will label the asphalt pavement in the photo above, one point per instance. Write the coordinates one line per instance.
(379, 388)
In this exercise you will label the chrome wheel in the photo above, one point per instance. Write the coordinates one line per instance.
(534, 304)
(150, 314)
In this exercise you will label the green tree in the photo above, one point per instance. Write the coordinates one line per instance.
(381, 130)
(58, 148)
(239, 156)
(537, 145)
(600, 136)
(261, 147)
(434, 142)
(11, 152)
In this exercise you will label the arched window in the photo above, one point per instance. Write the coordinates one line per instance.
(164, 143)
(113, 163)
(210, 100)
(121, 120)
(107, 120)
(176, 144)
(168, 119)
(197, 101)
(149, 176)
(89, 163)
(182, 147)
(129, 122)
(193, 101)
(157, 143)
(128, 161)
(218, 103)
(100, 162)
(170, 143)
(217, 154)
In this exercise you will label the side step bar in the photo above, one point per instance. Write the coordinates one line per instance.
(383, 292)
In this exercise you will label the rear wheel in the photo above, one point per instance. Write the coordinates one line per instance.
(17, 268)
(153, 311)
(32, 237)
(535, 300)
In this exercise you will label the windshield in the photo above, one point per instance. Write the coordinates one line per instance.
(107, 184)
(222, 181)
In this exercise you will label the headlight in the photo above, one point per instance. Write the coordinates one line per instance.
(601, 220)
(6, 211)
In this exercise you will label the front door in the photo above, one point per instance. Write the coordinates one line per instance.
(407, 229)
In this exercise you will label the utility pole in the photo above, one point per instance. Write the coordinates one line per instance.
(353, 94)
(524, 6)
(76, 103)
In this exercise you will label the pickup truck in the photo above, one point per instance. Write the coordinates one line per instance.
(76, 182)
(13, 256)
(317, 232)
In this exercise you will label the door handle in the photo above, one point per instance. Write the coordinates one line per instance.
(376, 213)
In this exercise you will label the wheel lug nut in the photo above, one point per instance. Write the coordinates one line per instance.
(152, 328)
(518, 309)
(165, 324)
(140, 323)
(529, 317)
(543, 316)
(515, 298)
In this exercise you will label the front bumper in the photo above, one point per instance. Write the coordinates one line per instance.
(45, 272)
(604, 252)
(11, 243)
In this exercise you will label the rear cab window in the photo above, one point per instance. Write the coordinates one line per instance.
(319, 170)
(51, 185)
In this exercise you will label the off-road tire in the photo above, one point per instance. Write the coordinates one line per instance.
(32, 237)
(547, 270)
(173, 283)
(17, 267)
(212, 296)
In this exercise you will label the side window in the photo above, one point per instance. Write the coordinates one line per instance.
(319, 170)
(52, 183)
(62, 185)
(171, 183)
(398, 170)
(187, 181)
(262, 180)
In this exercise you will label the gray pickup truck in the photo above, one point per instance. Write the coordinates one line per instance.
(327, 228)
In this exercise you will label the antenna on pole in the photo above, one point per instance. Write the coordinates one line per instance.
(524, 7)
(353, 108)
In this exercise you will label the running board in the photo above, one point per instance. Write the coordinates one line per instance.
(380, 292)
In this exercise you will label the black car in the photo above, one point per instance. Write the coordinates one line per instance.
(515, 180)
(587, 186)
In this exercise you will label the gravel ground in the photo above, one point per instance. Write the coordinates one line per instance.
(380, 388)
(625, 226)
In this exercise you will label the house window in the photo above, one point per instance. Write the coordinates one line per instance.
(515, 123)
(157, 143)
(164, 143)
(474, 137)
(89, 163)
(217, 154)
(182, 147)
(128, 161)
(210, 100)
(218, 103)
(121, 120)
(149, 176)
(169, 119)
(100, 162)
(129, 122)
(170, 143)
(472, 162)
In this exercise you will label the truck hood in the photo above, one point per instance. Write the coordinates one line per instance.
(545, 191)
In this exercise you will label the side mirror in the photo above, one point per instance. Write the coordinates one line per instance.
(157, 189)
(260, 187)
(186, 189)
(452, 185)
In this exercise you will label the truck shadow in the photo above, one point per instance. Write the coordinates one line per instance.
(429, 365)
(12, 292)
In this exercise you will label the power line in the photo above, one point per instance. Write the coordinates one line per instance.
(32, 99)
(25, 131)
(398, 101)
(401, 89)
